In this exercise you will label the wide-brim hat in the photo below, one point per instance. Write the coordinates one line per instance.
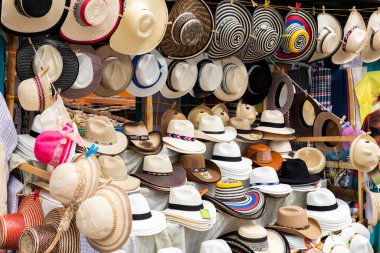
(281, 93)
(300, 181)
(192, 216)
(113, 149)
(372, 208)
(277, 137)
(270, 123)
(335, 244)
(209, 174)
(313, 230)
(314, 159)
(301, 42)
(154, 136)
(184, 147)
(26, 53)
(275, 163)
(337, 219)
(244, 163)
(275, 190)
(200, 14)
(14, 22)
(369, 53)
(236, 246)
(177, 178)
(228, 135)
(151, 226)
(357, 153)
(327, 124)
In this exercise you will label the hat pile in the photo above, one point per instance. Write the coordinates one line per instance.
(26, 142)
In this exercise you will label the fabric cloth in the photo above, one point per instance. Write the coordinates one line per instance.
(3, 45)
(14, 187)
(366, 91)
(301, 77)
(320, 88)
(356, 75)
(339, 93)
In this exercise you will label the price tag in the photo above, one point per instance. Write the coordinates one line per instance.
(205, 214)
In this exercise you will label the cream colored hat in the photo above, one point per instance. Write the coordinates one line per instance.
(283, 147)
(356, 242)
(272, 121)
(371, 52)
(244, 132)
(215, 246)
(142, 27)
(372, 207)
(364, 153)
(314, 159)
(197, 112)
(246, 111)
(335, 244)
(221, 110)
(211, 128)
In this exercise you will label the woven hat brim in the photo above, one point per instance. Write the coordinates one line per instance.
(313, 232)
(212, 169)
(114, 149)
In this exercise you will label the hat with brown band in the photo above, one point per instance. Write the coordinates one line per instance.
(262, 156)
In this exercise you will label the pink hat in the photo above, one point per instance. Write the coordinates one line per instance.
(350, 131)
(57, 147)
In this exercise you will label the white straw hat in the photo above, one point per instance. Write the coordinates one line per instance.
(215, 246)
(272, 121)
(211, 128)
(356, 242)
(371, 52)
(335, 244)
(314, 159)
(35, 94)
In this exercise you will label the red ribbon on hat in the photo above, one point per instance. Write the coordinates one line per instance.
(298, 6)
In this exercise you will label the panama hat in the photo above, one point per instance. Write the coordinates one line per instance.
(354, 39)
(26, 142)
(235, 80)
(38, 55)
(89, 75)
(295, 172)
(91, 21)
(141, 28)
(327, 124)
(301, 30)
(222, 111)
(314, 159)
(267, 28)
(244, 132)
(106, 219)
(100, 131)
(190, 32)
(283, 147)
(215, 246)
(329, 35)
(372, 207)
(117, 72)
(364, 153)
(172, 112)
(114, 168)
(233, 24)
(371, 52)
(31, 18)
(281, 93)
(356, 242)
(242, 109)
(197, 113)
(272, 121)
(335, 244)
(211, 128)
(261, 155)
(182, 75)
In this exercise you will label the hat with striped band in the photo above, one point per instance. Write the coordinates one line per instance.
(267, 28)
(233, 24)
(300, 37)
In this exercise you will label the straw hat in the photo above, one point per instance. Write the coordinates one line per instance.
(241, 109)
(191, 31)
(261, 155)
(244, 132)
(100, 131)
(211, 128)
(171, 113)
(215, 246)
(371, 52)
(278, 137)
(335, 244)
(222, 111)
(314, 159)
(30, 18)
(295, 172)
(272, 121)
(197, 112)
(142, 27)
(91, 21)
(117, 72)
(327, 124)
(281, 93)
(283, 147)
(372, 207)
(354, 39)
(364, 153)
(106, 219)
(356, 242)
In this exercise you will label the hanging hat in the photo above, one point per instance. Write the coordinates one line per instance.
(272, 121)
(106, 219)
(171, 113)
(215, 246)
(314, 159)
(53, 56)
(117, 72)
(211, 128)
(56, 116)
(303, 112)
(244, 132)
(354, 39)
(364, 153)
(31, 18)
(371, 52)
(190, 32)
(235, 80)
(284, 148)
(327, 124)
(197, 112)
(241, 109)
(26, 142)
(267, 29)
(233, 24)
(182, 75)
(372, 207)
(89, 75)
(329, 35)
(210, 75)
(335, 244)
(91, 21)
(222, 111)
(100, 131)
(300, 42)
(281, 93)
(261, 155)
(356, 242)
(142, 27)
(295, 172)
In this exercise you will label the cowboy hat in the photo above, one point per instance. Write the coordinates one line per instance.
(261, 155)
(281, 93)
(371, 52)
(314, 159)
(142, 27)
(327, 124)
(244, 132)
(284, 148)
(197, 112)
(364, 153)
(171, 113)
(211, 128)
(335, 244)
(191, 31)
(272, 121)
(372, 207)
(241, 109)
(295, 172)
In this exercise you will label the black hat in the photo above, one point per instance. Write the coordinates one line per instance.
(295, 172)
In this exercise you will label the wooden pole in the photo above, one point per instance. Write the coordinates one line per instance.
(149, 113)
(11, 73)
(360, 195)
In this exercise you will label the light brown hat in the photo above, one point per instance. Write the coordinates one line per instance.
(171, 113)
(244, 132)
(263, 156)
(327, 124)
(281, 93)
(314, 159)
(197, 112)
(278, 137)
(221, 110)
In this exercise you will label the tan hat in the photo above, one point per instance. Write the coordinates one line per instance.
(327, 124)
(246, 111)
(142, 27)
(364, 153)
(221, 110)
(372, 207)
(244, 132)
(371, 52)
(197, 112)
(171, 113)
(117, 72)
(114, 167)
(100, 131)
(314, 159)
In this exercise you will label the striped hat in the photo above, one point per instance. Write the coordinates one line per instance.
(300, 37)
(233, 26)
(267, 27)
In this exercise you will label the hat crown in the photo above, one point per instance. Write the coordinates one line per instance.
(181, 76)
(260, 153)
(91, 12)
(366, 153)
(37, 125)
(292, 217)
(192, 161)
(185, 195)
(228, 28)
(113, 167)
(213, 246)
(265, 35)
(187, 29)
(246, 111)
(327, 40)
(263, 175)
(321, 197)
(354, 39)
(115, 73)
(294, 168)
(240, 123)
(34, 9)
(99, 129)
(297, 40)
(221, 113)
(30, 92)
(272, 116)
(157, 164)
(147, 63)
(226, 149)
(135, 128)
(197, 113)
(355, 242)
(227, 187)
(85, 73)
(49, 59)
(211, 123)
(139, 204)
(280, 146)
(181, 127)
(233, 78)
(252, 232)
(210, 76)
(144, 20)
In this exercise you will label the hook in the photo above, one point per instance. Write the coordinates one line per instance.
(266, 4)
(353, 8)
(253, 37)
(298, 6)
(313, 11)
(169, 23)
(343, 119)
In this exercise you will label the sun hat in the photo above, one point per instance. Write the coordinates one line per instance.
(283, 147)
(40, 54)
(315, 160)
(173, 112)
(364, 153)
(335, 244)
(266, 180)
(371, 52)
(215, 246)
(197, 112)
(329, 35)
(235, 79)
(180, 137)
(241, 109)
(236, 246)
(117, 72)
(113, 167)
(261, 156)
(91, 21)
(26, 142)
(356, 242)
(145, 221)
(31, 18)
(106, 219)
(29, 214)
(100, 131)
(295, 172)
(170, 250)
(142, 141)
(272, 121)
(191, 31)
(327, 124)
(303, 112)
(294, 220)
(372, 207)
(141, 28)
(211, 128)
(301, 30)
(222, 111)
(233, 24)
(278, 137)
(244, 132)
(281, 93)
(182, 76)
(198, 169)
(89, 75)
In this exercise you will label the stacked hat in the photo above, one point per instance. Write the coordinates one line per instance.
(227, 156)
(261, 156)
(171, 113)
(213, 246)
(356, 239)
(300, 242)
(211, 128)
(198, 112)
(159, 174)
(244, 132)
(272, 121)
(187, 208)
(315, 160)
(335, 244)
(282, 147)
(26, 142)
(222, 111)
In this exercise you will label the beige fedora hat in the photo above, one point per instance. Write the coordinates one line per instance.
(371, 51)
(221, 110)
(246, 111)
(197, 112)
(354, 39)
(372, 207)
(142, 27)
(117, 72)
(314, 159)
(211, 128)
(35, 94)
(364, 153)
